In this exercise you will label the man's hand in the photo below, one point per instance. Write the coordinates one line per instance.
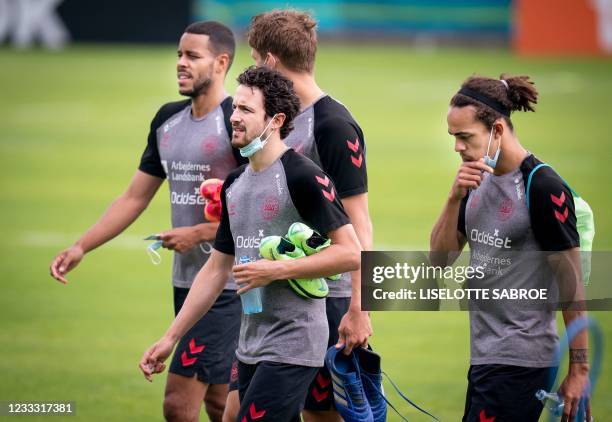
(152, 361)
(180, 239)
(354, 330)
(572, 389)
(66, 261)
(255, 274)
(469, 176)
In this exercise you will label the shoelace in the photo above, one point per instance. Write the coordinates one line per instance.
(413, 404)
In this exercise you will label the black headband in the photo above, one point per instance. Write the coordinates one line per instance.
(494, 104)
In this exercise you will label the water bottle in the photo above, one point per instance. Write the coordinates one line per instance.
(251, 300)
(553, 402)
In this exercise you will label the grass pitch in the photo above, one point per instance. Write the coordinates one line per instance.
(74, 124)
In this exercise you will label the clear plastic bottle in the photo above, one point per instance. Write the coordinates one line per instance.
(552, 401)
(251, 300)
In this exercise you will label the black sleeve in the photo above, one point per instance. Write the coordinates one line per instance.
(228, 109)
(551, 209)
(224, 241)
(341, 147)
(150, 161)
(313, 194)
(461, 219)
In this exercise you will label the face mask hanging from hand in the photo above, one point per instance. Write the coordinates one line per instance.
(492, 161)
(256, 144)
(153, 254)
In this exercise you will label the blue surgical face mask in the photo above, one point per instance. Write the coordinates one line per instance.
(492, 162)
(152, 251)
(256, 144)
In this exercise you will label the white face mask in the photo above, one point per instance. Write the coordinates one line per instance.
(492, 161)
(256, 144)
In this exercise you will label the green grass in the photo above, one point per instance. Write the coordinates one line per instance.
(74, 123)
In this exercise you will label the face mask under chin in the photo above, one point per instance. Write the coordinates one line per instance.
(257, 143)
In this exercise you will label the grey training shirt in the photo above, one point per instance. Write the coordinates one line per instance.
(291, 329)
(187, 151)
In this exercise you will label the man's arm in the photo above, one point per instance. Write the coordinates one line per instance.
(550, 198)
(356, 208)
(121, 213)
(182, 239)
(355, 327)
(446, 235)
(341, 256)
(566, 267)
(206, 287)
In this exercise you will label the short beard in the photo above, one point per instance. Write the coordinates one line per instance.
(199, 88)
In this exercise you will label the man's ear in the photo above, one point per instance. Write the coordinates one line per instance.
(279, 120)
(271, 60)
(498, 129)
(222, 63)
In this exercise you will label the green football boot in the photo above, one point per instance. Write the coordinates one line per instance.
(309, 241)
(278, 248)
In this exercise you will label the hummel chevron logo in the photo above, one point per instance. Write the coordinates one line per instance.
(558, 200)
(562, 217)
(323, 181)
(483, 417)
(254, 413)
(357, 161)
(186, 361)
(330, 196)
(353, 146)
(322, 381)
(193, 349)
(319, 396)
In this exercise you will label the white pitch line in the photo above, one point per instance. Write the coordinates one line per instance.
(130, 241)
(399, 248)
(63, 240)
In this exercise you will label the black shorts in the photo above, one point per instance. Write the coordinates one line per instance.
(320, 394)
(271, 391)
(206, 350)
(505, 393)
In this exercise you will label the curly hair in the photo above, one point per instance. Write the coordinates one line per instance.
(278, 93)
